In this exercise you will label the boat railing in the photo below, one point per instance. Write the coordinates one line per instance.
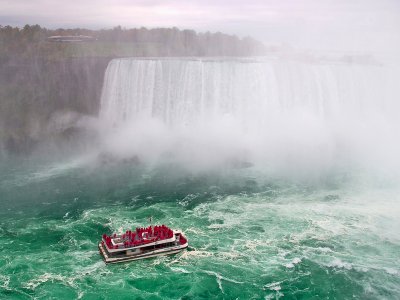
(139, 237)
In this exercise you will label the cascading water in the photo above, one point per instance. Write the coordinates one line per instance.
(275, 112)
(182, 92)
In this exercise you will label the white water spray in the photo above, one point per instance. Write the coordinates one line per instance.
(286, 115)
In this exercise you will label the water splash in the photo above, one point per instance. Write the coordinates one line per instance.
(287, 116)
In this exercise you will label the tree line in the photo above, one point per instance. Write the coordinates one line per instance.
(31, 40)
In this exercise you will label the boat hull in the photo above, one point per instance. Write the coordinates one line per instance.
(159, 252)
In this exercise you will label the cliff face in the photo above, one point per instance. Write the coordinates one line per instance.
(33, 92)
(41, 80)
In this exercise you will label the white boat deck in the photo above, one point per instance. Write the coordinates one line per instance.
(118, 249)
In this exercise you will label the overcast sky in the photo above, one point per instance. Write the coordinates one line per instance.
(315, 24)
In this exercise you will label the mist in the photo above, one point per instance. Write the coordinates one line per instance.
(361, 26)
(286, 117)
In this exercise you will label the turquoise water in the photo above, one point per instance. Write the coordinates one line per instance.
(251, 236)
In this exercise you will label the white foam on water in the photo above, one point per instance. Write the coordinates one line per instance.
(231, 255)
(292, 228)
(219, 278)
(294, 262)
(392, 271)
(289, 265)
(187, 199)
(275, 286)
(337, 263)
(195, 230)
(180, 270)
(4, 281)
(195, 254)
(34, 283)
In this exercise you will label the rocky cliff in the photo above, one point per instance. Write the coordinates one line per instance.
(42, 81)
(33, 93)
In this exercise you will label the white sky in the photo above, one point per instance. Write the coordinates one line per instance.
(356, 25)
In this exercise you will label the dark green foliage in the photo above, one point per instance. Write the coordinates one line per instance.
(31, 42)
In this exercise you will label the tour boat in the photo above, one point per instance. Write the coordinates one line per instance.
(141, 243)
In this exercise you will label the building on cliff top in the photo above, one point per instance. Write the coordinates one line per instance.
(70, 38)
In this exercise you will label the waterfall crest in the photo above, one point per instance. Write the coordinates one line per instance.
(184, 91)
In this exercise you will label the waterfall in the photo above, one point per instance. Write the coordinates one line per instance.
(281, 110)
(185, 91)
